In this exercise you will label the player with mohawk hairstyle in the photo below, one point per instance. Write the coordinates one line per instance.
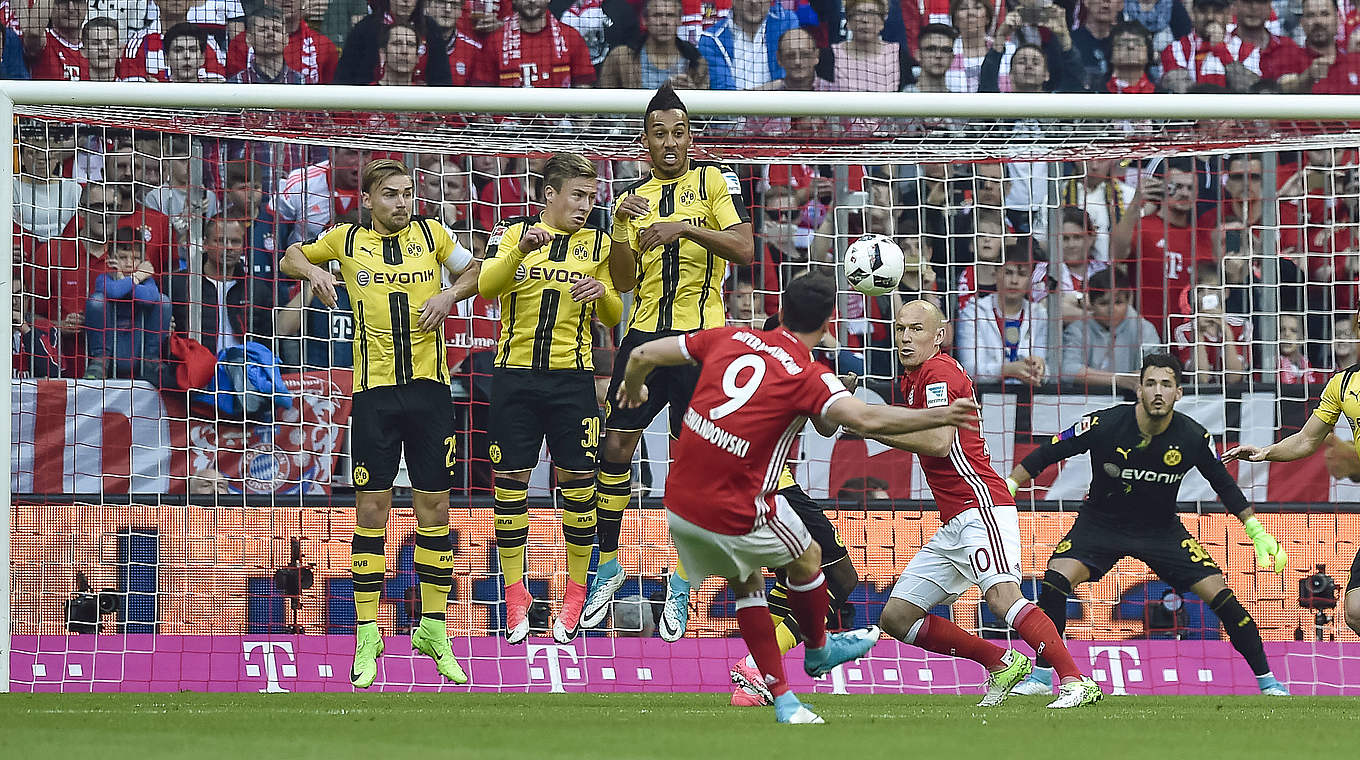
(674, 232)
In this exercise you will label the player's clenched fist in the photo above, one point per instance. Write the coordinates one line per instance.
(533, 239)
(627, 209)
(631, 397)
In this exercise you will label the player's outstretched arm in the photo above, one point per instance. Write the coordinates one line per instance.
(1069, 443)
(891, 421)
(1297, 446)
(662, 352)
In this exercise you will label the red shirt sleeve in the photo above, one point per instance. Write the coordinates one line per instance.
(697, 345)
(821, 388)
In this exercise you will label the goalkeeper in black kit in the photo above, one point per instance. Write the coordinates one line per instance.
(1140, 453)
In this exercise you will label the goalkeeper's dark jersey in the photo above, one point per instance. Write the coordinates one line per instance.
(1134, 483)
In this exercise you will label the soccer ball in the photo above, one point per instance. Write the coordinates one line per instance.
(873, 265)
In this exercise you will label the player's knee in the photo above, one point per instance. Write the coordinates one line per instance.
(1055, 587)
(1353, 610)
(898, 617)
(618, 446)
(806, 566)
(1002, 596)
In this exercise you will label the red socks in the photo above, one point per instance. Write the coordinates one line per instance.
(1040, 633)
(936, 634)
(809, 603)
(757, 630)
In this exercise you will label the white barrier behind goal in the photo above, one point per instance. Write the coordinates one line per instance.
(188, 521)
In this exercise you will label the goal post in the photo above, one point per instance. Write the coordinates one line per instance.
(205, 566)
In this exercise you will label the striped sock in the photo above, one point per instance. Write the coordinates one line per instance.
(434, 569)
(368, 570)
(578, 525)
(512, 527)
(614, 489)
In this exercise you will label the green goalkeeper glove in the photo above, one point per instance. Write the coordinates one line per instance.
(1012, 485)
(1269, 553)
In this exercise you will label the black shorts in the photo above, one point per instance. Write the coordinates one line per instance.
(1172, 553)
(417, 415)
(1354, 582)
(530, 405)
(666, 385)
(815, 520)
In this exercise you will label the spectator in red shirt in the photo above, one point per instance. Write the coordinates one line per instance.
(268, 52)
(1322, 66)
(1167, 244)
(360, 61)
(102, 43)
(463, 48)
(308, 52)
(52, 45)
(1208, 55)
(534, 49)
(1130, 58)
(1277, 51)
(144, 59)
(1293, 362)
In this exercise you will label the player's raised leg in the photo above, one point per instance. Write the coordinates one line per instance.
(613, 491)
(512, 533)
(1062, 576)
(577, 490)
(1038, 631)
(1242, 631)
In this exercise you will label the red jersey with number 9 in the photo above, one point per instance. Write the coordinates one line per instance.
(964, 479)
(755, 392)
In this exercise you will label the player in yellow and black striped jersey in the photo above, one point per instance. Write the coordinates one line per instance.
(551, 274)
(393, 271)
(674, 233)
(1340, 401)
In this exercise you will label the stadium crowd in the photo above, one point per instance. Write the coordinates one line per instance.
(1179, 252)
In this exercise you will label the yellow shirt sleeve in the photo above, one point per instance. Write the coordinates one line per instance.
(1329, 408)
(502, 259)
(329, 247)
(443, 243)
(724, 196)
(608, 307)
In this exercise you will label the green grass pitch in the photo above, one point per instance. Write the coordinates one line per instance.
(614, 727)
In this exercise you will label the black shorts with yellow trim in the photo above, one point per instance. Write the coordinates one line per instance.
(815, 520)
(666, 385)
(417, 416)
(1354, 582)
(529, 405)
(1170, 552)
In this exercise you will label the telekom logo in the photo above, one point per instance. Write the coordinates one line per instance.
(1115, 667)
(274, 666)
(553, 657)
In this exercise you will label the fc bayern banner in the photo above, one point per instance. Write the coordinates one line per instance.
(121, 436)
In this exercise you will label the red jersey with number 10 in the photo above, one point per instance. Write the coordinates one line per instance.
(755, 392)
(964, 479)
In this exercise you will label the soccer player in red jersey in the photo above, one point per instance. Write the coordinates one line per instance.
(755, 391)
(978, 543)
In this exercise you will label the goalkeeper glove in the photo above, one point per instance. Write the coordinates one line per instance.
(1269, 553)
(1012, 485)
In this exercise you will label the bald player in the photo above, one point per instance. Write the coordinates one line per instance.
(1340, 398)
(978, 543)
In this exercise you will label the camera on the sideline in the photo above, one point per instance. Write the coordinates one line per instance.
(1318, 591)
(85, 609)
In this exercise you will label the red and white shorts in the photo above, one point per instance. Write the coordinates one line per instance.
(781, 540)
(977, 548)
